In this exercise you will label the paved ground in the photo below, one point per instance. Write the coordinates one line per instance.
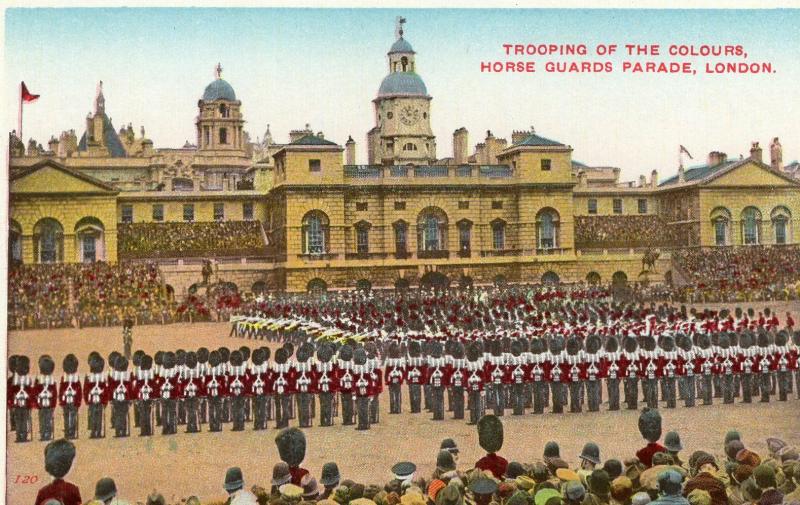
(182, 465)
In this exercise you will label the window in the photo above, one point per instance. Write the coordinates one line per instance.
(219, 211)
(497, 204)
(223, 135)
(223, 110)
(158, 212)
(127, 213)
(400, 234)
(751, 222)
(546, 165)
(247, 211)
(781, 224)
(642, 206)
(547, 227)
(592, 206)
(720, 232)
(410, 146)
(617, 205)
(498, 235)
(432, 230)
(188, 212)
(362, 238)
(361, 206)
(780, 231)
(314, 166)
(463, 205)
(399, 205)
(206, 135)
(464, 236)
(315, 233)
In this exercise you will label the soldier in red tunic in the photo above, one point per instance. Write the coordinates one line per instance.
(416, 375)
(494, 372)
(46, 397)
(437, 379)
(145, 388)
(70, 394)
(20, 398)
(611, 370)
(259, 386)
(168, 394)
(302, 371)
(475, 381)
(516, 376)
(95, 395)
(191, 391)
(237, 389)
(121, 393)
(325, 382)
(282, 387)
(458, 375)
(373, 362)
(215, 386)
(539, 372)
(361, 387)
(490, 438)
(395, 376)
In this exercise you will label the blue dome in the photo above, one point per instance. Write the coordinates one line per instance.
(402, 83)
(401, 45)
(219, 89)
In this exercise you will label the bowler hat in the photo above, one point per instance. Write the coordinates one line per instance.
(330, 474)
(233, 479)
(669, 482)
(574, 491)
(105, 489)
(281, 474)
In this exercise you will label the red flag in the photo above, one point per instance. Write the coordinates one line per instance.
(27, 97)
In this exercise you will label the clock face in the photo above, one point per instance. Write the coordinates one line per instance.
(409, 115)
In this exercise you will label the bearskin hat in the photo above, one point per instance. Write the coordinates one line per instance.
(191, 360)
(537, 345)
(146, 363)
(704, 341)
(435, 349)
(650, 424)
(258, 357)
(474, 352)
(746, 340)
(46, 365)
(496, 348)
(291, 444)
(796, 338)
(458, 350)
(121, 364)
(325, 353)
(180, 357)
(245, 351)
(574, 346)
(524, 344)
(612, 344)
(345, 353)
(763, 339)
(556, 344)
(630, 344)
(414, 349)
(214, 358)
(305, 352)
(169, 360)
(224, 354)
(202, 355)
(490, 433)
(96, 364)
(58, 457)
(781, 338)
(516, 348)
(70, 364)
(667, 343)
(649, 344)
(724, 341)
(360, 356)
(137, 357)
(593, 344)
(394, 350)
(112, 357)
(733, 338)
(159, 358)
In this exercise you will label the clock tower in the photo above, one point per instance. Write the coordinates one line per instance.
(402, 134)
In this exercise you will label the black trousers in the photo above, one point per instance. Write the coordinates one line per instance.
(706, 388)
(631, 387)
(395, 399)
(594, 394)
(612, 385)
(304, 409)
(46, 424)
(475, 405)
(414, 394)
(169, 416)
(437, 402)
(518, 399)
(215, 413)
(559, 393)
(576, 396)
(192, 406)
(784, 383)
(145, 417)
(119, 412)
(260, 412)
(22, 423)
(670, 394)
(96, 411)
(362, 409)
(348, 409)
(283, 410)
(689, 390)
(539, 397)
(326, 409)
(766, 386)
(457, 401)
(238, 414)
(727, 388)
(70, 422)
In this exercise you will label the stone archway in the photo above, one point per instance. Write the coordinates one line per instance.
(550, 278)
(434, 280)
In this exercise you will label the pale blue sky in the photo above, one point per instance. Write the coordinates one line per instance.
(319, 66)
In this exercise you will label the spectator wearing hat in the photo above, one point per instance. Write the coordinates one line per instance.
(574, 493)
(329, 479)
(234, 485)
(764, 476)
(640, 498)
(705, 469)
(58, 458)
(793, 478)
(449, 445)
(548, 496)
(621, 490)
(404, 473)
(445, 466)
(310, 488)
(590, 458)
(669, 489)
(672, 441)
(699, 497)
(599, 488)
(518, 498)
(105, 491)
(483, 488)
(613, 468)
(280, 476)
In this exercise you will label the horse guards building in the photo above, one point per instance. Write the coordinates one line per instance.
(518, 211)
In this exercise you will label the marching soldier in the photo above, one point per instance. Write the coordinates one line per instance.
(303, 378)
(629, 368)
(119, 388)
(95, 391)
(70, 394)
(437, 379)
(191, 391)
(291, 443)
(236, 390)
(475, 381)
(326, 383)
(704, 361)
(764, 366)
(667, 366)
(136, 361)
(458, 374)
(202, 366)
(144, 391)
(361, 389)
(648, 368)
(246, 397)
(794, 361)
(726, 364)
(225, 366)
(10, 385)
(537, 375)
(594, 366)
(376, 381)
(416, 375)
(782, 363)
(21, 398)
(46, 397)
(516, 376)
(258, 386)
(158, 360)
(559, 373)
(745, 364)
(395, 375)
(168, 394)
(685, 368)
(575, 377)
(612, 371)
(280, 378)
(214, 387)
(180, 375)
(495, 373)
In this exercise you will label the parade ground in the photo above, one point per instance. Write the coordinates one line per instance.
(183, 465)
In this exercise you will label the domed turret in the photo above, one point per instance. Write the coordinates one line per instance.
(220, 126)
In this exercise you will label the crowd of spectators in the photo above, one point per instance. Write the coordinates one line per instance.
(729, 472)
(190, 240)
(637, 231)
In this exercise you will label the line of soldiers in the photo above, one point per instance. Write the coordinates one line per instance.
(345, 378)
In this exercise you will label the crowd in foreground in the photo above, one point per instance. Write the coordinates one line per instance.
(665, 474)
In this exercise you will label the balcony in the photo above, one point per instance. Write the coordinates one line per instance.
(402, 255)
(318, 256)
(465, 253)
(431, 171)
(433, 255)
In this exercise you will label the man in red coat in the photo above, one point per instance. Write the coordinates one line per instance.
(650, 428)
(490, 438)
(58, 457)
(291, 444)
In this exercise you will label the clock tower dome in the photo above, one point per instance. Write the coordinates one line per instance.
(402, 134)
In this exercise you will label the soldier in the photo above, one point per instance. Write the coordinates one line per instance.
(458, 376)
(202, 367)
(127, 337)
(10, 385)
(650, 428)
(214, 386)
(537, 375)
(376, 381)
(782, 357)
(648, 368)
(291, 444)
(70, 394)
(490, 438)
(158, 360)
(144, 390)
(120, 391)
(593, 361)
(225, 366)
(475, 381)
(237, 389)
(559, 373)
(494, 372)
(46, 397)
(21, 398)
(168, 394)
(95, 391)
(326, 383)
(361, 387)
(395, 375)
(667, 367)
(416, 375)
(685, 368)
(437, 379)
(629, 368)
(575, 377)
(704, 362)
(136, 361)
(303, 378)
(191, 390)
(516, 377)
(280, 378)
(794, 364)
(745, 365)
(180, 376)
(726, 367)
(611, 371)
(258, 385)
(764, 364)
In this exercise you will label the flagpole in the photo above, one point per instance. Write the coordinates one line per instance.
(20, 110)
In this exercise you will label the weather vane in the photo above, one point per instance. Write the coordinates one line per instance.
(400, 22)
(218, 71)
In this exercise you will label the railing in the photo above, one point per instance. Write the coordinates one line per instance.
(464, 171)
(402, 255)
(363, 171)
(422, 171)
(496, 171)
(430, 171)
(465, 253)
(395, 171)
(364, 256)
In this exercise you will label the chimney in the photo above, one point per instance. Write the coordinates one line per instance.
(776, 155)
(681, 175)
(582, 179)
(350, 151)
(52, 145)
(460, 146)
(755, 153)
(642, 181)
(654, 178)
(716, 157)
(518, 136)
(321, 135)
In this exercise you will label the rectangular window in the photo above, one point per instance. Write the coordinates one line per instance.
(223, 136)
(463, 205)
(188, 212)
(617, 205)
(497, 204)
(720, 232)
(399, 205)
(400, 239)
(464, 238)
(498, 237)
(219, 211)
(247, 211)
(592, 206)
(127, 213)
(361, 206)
(546, 165)
(362, 240)
(314, 166)
(642, 206)
(158, 212)
(780, 231)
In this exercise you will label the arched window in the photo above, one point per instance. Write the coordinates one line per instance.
(315, 232)
(721, 221)
(593, 278)
(432, 230)
(90, 240)
(364, 285)
(259, 287)
(317, 287)
(550, 277)
(362, 237)
(547, 226)
(48, 241)
(498, 235)
(410, 146)
(224, 111)
(751, 226)
(401, 284)
(781, 219)
(404, 63)
(619, 278)
(223, 135)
